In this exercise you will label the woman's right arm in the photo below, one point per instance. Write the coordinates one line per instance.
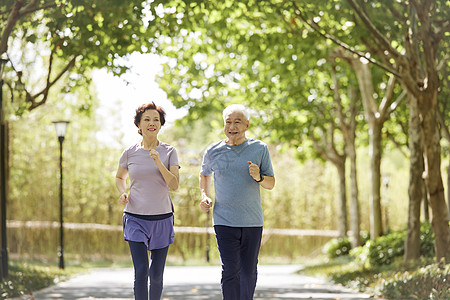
(121, 184)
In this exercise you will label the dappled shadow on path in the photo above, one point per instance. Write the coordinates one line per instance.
(195, 283)
(197, 292)
(178, 292)
(319, 293)
(212, 292)
(84, 292)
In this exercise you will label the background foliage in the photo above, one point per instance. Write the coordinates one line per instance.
(304, 197)
(217, 52)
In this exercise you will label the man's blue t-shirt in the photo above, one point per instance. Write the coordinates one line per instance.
(237, 194)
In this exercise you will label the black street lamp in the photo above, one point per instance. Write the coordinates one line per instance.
(3, 195)
(61, 127)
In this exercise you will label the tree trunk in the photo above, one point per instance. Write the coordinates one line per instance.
(376, 228)
(347, 125)
(448, 189)
(415, 189)
(364, 77)
(354, 204)
(433, 178)
(328, 152)
(342, 209)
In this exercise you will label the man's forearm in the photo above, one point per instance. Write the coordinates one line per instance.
(268, 183)
(205, 183)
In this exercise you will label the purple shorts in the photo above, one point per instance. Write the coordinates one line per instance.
(155, 234)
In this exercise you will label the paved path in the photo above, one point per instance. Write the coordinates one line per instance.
(189, 283)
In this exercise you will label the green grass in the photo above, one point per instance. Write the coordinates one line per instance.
(24, 278)
(344, 270)
(394, 281)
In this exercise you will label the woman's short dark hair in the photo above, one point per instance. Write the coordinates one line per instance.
(144, 107)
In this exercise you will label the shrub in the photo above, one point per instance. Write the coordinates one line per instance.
(342, 246)
(426, 240)
(386, 248)
(364, 236)
(361, 254)
(430, 282)
(337, 247)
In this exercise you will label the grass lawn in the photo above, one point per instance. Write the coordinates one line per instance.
(26, 276)
(422, 280)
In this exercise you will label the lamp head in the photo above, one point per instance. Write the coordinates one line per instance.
(61, 127)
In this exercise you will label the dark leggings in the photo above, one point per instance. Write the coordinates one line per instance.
(142, 272)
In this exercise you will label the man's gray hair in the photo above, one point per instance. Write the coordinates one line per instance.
(236, 107)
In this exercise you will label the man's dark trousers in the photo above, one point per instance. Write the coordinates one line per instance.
(239, 249)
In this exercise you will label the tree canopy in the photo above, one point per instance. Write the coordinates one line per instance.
(320, 76)
(274, 57)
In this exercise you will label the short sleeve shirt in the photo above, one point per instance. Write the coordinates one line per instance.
(237, 194)
(149, 193)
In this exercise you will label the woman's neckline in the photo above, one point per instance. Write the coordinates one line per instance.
(141, 145)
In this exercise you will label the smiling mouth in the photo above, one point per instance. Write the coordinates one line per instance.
(151, 129)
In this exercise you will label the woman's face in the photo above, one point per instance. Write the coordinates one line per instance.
(150, 123)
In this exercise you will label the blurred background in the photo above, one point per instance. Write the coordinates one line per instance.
(333, 102)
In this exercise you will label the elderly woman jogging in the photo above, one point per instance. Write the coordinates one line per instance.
(148, 213)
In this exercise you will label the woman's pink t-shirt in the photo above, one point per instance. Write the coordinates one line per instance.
(149, 193)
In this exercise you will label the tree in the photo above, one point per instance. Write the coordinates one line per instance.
(74, 37)
(347, 120)
(376, 116)
(408, 42)
(340, 119)
(81, 34)
(253, 62)
(416, 63)
(404, 40)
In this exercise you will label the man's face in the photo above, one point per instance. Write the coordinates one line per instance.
(235, 126)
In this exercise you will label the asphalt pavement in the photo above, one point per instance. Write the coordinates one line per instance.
(195, 282)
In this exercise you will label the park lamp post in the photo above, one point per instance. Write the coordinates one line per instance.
(4, 251)
(61, 127)
(17, 86)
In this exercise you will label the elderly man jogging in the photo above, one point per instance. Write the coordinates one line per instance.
(240, 166)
